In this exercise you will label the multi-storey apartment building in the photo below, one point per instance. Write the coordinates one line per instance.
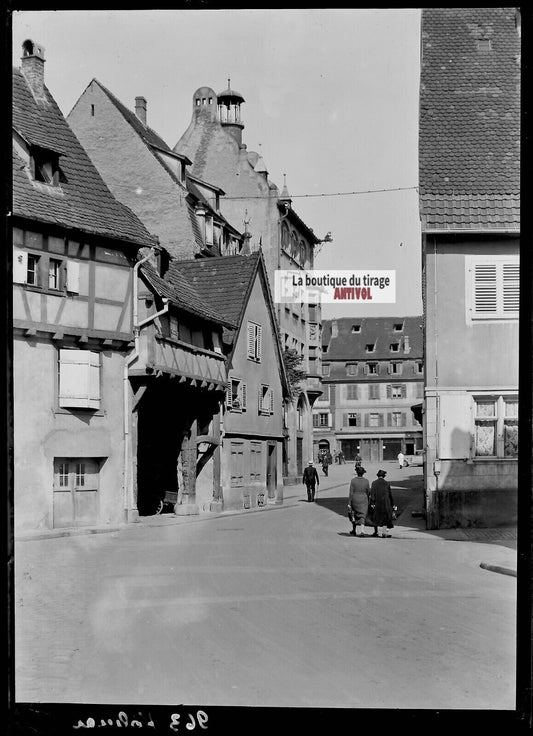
(213, 142)
(372, 372)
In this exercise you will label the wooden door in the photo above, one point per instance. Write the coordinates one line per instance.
(272, 470)
(75, 492)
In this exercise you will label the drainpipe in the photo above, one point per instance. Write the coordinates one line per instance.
(130, 359)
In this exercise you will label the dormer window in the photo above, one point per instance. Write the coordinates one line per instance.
(398, 327)
(44, 166)
(356, 328)
(395, 347)
(370, 347)
(208, 230)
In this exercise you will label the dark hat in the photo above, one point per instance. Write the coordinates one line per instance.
(360, 470)
(381, 473)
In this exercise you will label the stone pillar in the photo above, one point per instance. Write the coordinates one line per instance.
(188, 503)
(217, 504)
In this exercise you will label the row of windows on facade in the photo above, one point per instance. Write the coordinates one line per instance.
(295, 247)
(369, 419)
(361, 391)
(217, 236)
(46, 271)
(397, 327)
(376, 369)
(237, 397)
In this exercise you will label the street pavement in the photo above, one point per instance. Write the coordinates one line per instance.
(273, 607)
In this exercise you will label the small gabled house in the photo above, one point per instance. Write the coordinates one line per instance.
(145, 174)
(74, 250)
(251, 447)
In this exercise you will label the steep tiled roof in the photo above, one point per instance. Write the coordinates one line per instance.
(469, 141)
(83, 201)
(176, 286)
(378, 331)
(223, 282)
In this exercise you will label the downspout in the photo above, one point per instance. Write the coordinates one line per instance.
(129, 360)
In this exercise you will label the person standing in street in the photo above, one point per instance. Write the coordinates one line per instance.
(401, 459)
(358, 502)
(326, 462)
(381, 503)
(311, 480)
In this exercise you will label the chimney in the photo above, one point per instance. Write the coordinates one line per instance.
(32, 66)
(140, 109)
(406, 346)
(334, 328)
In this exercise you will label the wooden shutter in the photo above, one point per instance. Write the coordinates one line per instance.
(404, 419)
(511, 288)
(367, 420)
(228, 394)
(485, 289)
(259, 332)
(389, 391)
(73, 276)
(79, 379)
(251, 340)
(271, 400)
(242, 389)
(345, 420)
(389, 419)
(380, 420)
(315, 420)
(404, 391)
(20, 266)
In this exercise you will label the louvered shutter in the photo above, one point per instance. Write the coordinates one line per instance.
(271, 397)
(315, 420)
(20, 266)
(79, 379)
(404, 419)
(259, 331)
(73, 276)
(367, 420)
(251, 340)
(511, 288)
(389, 419)
(242, 389)
(345, 420)
(228, 395)
(380, 420)
(485, 289)
(389, 392)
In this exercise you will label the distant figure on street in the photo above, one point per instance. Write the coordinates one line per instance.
(381, 504)
(358, 461)
(401, 459)
(335, 456)
(341, 457)
(326, 462)
(358, 502)
(311, 480)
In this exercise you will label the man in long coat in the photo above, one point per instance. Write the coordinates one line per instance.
(311, 480)
(382, 502)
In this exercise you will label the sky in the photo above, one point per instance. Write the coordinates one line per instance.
(331, 100)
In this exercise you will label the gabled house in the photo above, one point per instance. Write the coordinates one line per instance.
(252, 423)
(74, 250)
(469, 159)
(373, 376)
(145, 174)
(214, 143)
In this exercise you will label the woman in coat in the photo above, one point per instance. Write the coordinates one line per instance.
(382, 504)
(358, 502)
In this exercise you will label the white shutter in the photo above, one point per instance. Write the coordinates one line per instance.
(251, 340)
(243, 395)
(228, 394)
(73, 276)
(20, 266)
(79, 379)
(259, 331)
(485, 289)
(511, 288)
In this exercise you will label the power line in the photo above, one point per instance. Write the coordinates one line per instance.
(333, 194)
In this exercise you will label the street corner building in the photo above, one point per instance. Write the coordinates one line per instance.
(214, 143)
(469, 159)
(74, 250)
(373, 379)
(250, 470)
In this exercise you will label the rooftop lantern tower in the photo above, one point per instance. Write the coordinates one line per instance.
(229, 112)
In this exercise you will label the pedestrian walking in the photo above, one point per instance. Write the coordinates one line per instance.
(381, 504)
(358, 499)
(341, 457)
(335, 456)
(401, 459)
(326, 462)
(358, 461)
(311, 480)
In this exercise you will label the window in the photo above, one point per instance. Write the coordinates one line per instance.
(369, 347)
(325, 369)
(484, 44)
(254, 341)
(373, 391)
(493, 288)
(351, 369)
(395, 368)
(40, 270)
(79, 379)
(265, 400)
(373, 420)
(396, 392)
(398, 327)
(236, 395)
(54, 266)
(356, 328)
(395, 347)
(419, 368)
(397, 419)
(372, 368)
(352, 392)
(32, 271)
(323, 419)
(45, 166)
(353, 420)
(496, 426)
(76, 474)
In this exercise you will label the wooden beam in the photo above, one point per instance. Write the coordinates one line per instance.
(138, 396)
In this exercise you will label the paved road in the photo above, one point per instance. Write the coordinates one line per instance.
(280, 607)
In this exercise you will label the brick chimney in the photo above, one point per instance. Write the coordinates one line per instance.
(406, 345)
(334, 328)
(32, 66)
(140, 109)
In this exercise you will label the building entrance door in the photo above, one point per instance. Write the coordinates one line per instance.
(272, 470)
(75, 491)
(299, 455)
(391, 449)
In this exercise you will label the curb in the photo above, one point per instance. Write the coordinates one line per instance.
(498, 568)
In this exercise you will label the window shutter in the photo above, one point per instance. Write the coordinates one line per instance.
(315, 420)
(389, 419)
(271, 397)
(251, 340)
(404, 419)
(345, 420)
(242, 388)
(20, 266)
(367, 420)
(511, 288)
(380, 420)
(330, 420)
(73, 276)
(389, 392)
(228, 394)
(485, 288)
(259, 331)
(404, 391)
(79, 379)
